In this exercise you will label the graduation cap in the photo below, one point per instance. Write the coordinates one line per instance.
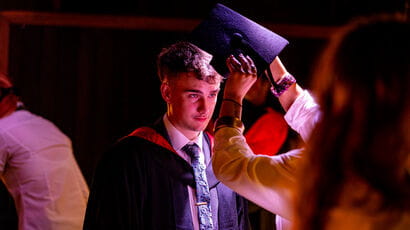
(225, 32)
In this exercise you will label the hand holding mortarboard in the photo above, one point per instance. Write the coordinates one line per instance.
(242, 77)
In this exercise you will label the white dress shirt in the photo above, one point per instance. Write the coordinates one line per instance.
(39, 170)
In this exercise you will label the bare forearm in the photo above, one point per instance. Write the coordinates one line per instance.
(287, 98)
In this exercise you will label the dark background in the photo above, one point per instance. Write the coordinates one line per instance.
(99, 84)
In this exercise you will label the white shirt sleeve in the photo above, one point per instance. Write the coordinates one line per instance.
(303, 115)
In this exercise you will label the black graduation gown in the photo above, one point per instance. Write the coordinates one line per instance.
(141, 183)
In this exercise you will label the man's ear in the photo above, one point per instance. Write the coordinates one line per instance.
(166, 92)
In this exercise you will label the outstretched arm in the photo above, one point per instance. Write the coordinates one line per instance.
(261, 179)
(267, 181)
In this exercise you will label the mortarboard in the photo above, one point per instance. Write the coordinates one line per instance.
(225, 32)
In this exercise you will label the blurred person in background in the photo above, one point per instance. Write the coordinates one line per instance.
(38, 167)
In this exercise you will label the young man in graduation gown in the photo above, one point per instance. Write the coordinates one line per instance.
(146, 181)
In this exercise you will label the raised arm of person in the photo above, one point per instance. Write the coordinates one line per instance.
(265, 180)
(242, 78)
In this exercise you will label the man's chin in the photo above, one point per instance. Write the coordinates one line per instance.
(200, 127)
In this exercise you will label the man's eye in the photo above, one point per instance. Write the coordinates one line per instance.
(212, 95)
(193, 95)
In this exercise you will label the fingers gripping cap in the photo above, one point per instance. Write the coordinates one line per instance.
(225, 32)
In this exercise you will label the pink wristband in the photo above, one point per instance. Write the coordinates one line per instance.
(282, 85)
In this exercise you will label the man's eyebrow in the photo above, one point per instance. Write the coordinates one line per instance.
(193, 91)
(199, 91)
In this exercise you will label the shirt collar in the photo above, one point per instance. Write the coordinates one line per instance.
(179, 140)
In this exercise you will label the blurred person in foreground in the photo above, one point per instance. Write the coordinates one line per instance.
(354, 173)
(38, 167)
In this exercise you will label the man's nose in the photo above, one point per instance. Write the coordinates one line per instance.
(203, 105)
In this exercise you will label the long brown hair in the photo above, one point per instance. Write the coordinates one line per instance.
(362, 86)
(8, 103)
